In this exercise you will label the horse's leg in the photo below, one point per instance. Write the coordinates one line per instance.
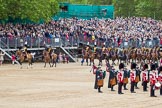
(31, 63)
(101, 62)
(87, 61)
(119, 60)
(50, 64)
(28, 65)
(55, 63)
(20, 65)
(82, 61)
(98, 61)
(112, 62)
(44, 64)
(90, 61)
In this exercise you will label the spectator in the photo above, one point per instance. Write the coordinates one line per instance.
(13, 58)
(1, 57)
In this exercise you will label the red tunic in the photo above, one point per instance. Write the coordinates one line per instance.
(145, 76)
(152, 78)
(121, 76)
(160, 78)
(132, 76)
(94, 69)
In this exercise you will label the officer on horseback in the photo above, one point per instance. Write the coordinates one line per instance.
(87, 47)
(95, 50)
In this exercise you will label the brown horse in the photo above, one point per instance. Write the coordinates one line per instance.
(85, 56)
(143, 56)
(29, 59)
(148, 55)
(22, 56)
(54, 58)
(154, 55)
(139, 55)
(134, 55)
(113, 56)
(47, 58)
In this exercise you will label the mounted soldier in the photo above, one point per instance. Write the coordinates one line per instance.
(103, 51)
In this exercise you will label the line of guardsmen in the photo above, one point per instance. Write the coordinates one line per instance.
(152, 76)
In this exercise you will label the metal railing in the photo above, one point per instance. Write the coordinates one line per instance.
(73, 41)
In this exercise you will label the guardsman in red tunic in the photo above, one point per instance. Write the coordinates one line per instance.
(145, 79)
(153, 80)
(120, 77)
(160, 78)
(133, 77)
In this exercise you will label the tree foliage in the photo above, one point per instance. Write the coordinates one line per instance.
(28, 9)
(44, 9)
(128, 8)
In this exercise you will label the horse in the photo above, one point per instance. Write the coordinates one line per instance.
(139, 55)
(134, 55)
(92, 57)
(128, 53)
(47, 58)
(54, 58)
(113, 56)
(85, 55)
(143, 55)
(20, 57)
(29, 58)
(154, 55)
(99, 56)
(108, 55)
(148, 55)
(121, 56)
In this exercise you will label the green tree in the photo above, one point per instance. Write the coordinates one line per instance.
(124, 7)
(33, 10)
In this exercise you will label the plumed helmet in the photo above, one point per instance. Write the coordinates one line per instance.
(153, 67)
(121, 65)
(133, 65)
(145, 66)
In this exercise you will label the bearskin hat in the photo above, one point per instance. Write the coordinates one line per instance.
(133, 66)
(19, 48)
(153, 67)
(121, 65)
(145, 66)
(28, 52)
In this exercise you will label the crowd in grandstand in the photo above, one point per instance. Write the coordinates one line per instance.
(116, 31)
